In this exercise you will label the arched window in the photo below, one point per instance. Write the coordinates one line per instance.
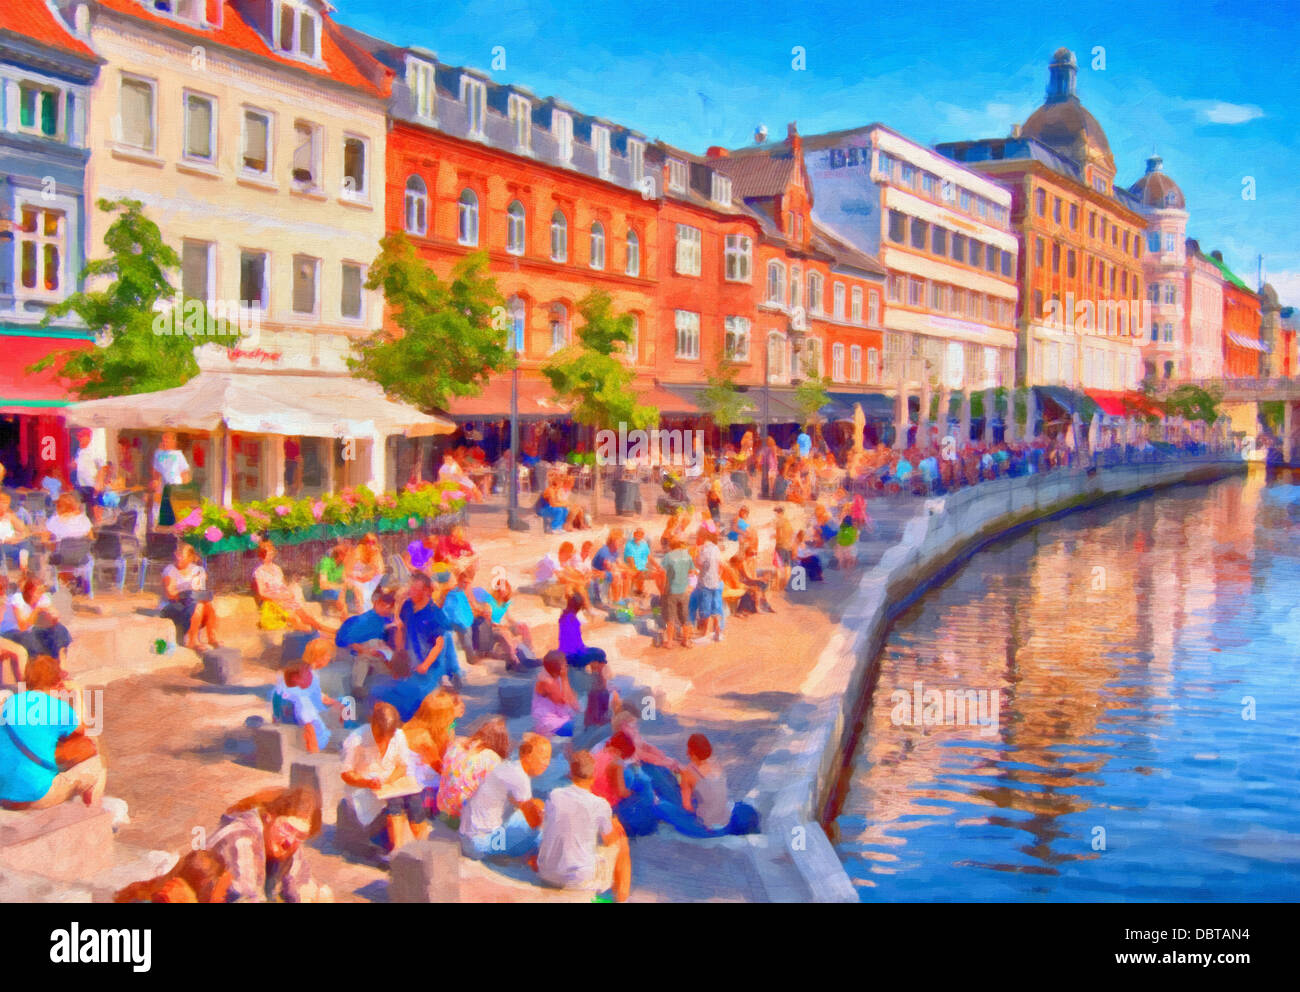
(633, 253)
(559, 237)
(417, 206)
(632, 349)
(468, 227)
(559, 327)
(597, 245)
(776, 283)
(776, 355)
(515, 228)
(518, 311)
(837, 363)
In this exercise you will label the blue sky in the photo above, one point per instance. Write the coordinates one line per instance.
(1213, 87)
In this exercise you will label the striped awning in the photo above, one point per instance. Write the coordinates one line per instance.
(1250, 344)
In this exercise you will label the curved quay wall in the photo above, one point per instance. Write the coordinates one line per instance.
(799, 778)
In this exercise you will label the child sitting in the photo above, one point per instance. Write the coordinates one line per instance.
(846, 552)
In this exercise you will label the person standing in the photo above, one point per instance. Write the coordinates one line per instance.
(677, 567)
(170, 469)
(708, 559)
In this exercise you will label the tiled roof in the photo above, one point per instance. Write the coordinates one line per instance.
(756, 176)
(341, 64)
(33, 20)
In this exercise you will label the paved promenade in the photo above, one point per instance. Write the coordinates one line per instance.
(172, 741)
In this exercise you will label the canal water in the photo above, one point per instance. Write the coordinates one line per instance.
(1117, 714)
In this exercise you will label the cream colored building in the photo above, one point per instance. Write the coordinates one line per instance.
(254, 134)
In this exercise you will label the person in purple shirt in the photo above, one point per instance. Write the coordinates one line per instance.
(419, 553)
(571, 644)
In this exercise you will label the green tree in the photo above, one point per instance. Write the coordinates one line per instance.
(721, 400)
(454, 333)
(810, 396)
(1193, 403)
(592, 376)
(139, 354)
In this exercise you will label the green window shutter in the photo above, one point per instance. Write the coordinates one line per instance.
(49, 113)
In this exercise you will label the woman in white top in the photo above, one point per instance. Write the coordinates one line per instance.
(185, 600)
(14, 534)
(169, 469)
(69, 520)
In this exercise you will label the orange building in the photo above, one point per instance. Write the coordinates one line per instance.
(1080, 269)
(1243, 352)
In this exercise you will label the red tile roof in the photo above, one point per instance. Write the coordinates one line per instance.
(349, 65)
(33, 20)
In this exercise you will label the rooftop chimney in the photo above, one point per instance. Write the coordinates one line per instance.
(716, 151)
(796, 142)
(1217, 255)
(1015, 130)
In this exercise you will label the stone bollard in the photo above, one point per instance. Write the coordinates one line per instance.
(222, 666)
(427, 870)
(276, 746)
(292, 646)
(514, 696)
(350, 834)
(321, 772)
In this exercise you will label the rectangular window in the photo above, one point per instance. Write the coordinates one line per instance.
(976, 253)
(855, 363)
(991, 258)
(306, 155)
(1039, 256)
(688, 334)
(896, 288)
(1070, 263)
(136, 110)
(958, 247)
(688, 250)
(1056, 209)
(200, 128)
(354, 168)
(424, 91)
(722, 190)
(257, 142)
(196, 269)
(920, 230)
(897, 227)
(939, 240)
(473, 93)
(676, 175)
(737, 339)
(38, 109)
(253, 281)
(636, 159)
(837, 300)
(306, 271)
(521, 120)
(916, 292)
(739, 253)
(40, 238)
(934, 296)
(351, 301)
(600, 145)
(1006, 263)
(562, 127)
(873, 307)
(1074, 216)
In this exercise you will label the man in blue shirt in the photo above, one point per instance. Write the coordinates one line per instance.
(637, 553)
(424, 634)
(370, 636)
(606, 565)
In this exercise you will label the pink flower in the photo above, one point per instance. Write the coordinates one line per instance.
(193, 518)
(238, 520)
(413, 522)
(213, 533)
(281, 510)
(318, 510)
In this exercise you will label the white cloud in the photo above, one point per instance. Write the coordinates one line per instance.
(1222, 112)
(1287, 285)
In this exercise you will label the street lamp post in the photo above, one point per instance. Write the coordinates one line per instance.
(512, 513)
(764, 491)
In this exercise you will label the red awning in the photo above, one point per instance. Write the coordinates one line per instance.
(1115, 403)
(536, 401)
(23, 392)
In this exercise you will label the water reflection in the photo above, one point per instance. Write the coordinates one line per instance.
(1124, 644)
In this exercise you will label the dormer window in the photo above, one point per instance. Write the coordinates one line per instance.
(521, 119)
(562, 128)
(636, 158)
(676, 175)
(297, 30)
(424, 94)
(600, 145)
(184, 10)
(473, 92)
(722, 190)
